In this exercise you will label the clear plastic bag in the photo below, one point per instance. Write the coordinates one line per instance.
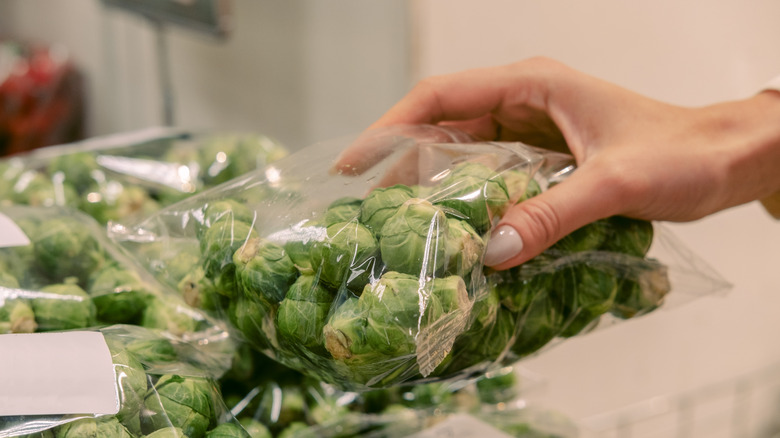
(165, 387)
(70, 276)
(132, 174)
(374, 278)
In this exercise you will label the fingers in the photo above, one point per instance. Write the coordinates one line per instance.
(534, 225)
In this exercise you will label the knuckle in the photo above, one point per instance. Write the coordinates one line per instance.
(544, 224)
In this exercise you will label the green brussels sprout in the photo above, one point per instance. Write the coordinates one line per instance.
(346, 209)
(298, 429)
(464, 247)
(587, 238)
(185, 402)
(228, 430)
(132, 383)
(476, 192)
(118, 294)
(347, 256)
(345, 331)
(99, 427)
(263, 270)
(16, 314)
(300, 240)
(62, 307)
(628, 236)
(76, 168)
(500, 386)
(302, 314)
(170, 314)
(220, 242)
(114, 201)
(585, 292)
(65, 247)
(19, 261)
(37, 190)
(254, 428)
(517, 287)
(226, 209)
(642, 290)
(520, 185)
(413, 239)
(180, 266)
(153, 351)
(168, 432)
(382, 203)
(254, 319)
(538, 323)
(428, 395)
(225, 157)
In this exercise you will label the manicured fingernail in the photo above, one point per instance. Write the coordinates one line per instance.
(504, 244)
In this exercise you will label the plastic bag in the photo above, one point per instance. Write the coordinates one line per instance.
(376, 279)
(41, 97)
(118, 176)
(68, 275)
(165, 387)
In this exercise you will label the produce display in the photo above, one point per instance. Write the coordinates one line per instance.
(376, 280)
(121, 176)
(70, 276)
(166, 388)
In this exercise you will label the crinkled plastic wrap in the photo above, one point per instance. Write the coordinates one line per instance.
(166, 388)
(374, 278)
(132, 174)
(70, 276)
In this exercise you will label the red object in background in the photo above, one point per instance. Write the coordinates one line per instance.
(41, 98)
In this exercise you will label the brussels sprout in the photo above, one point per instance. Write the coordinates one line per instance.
(587, 238)
(302, 314)
(132, 382)
(263, 270)
(63, 307)
(185, 402)
(297, 429)
(344, 209)
(520, 185)
(254, 428)
(226, 209)
(76, 168)
(300, 240)
(168, 313)
(427, 395)
(153, 351)
(538, 323)
(382, 203)
(118, 294)
(413, 239)
(586, 292)
(36, 190)
(168, 432)
(345, 331)
(65, 247)
(476, 192)
(220, 242)
(254, 319)
(19, 261)
(642, 290)
(347, 256)
(100, 427)
(517, 287)
(115, 201)
(464, 247)
(228, 430)
(16, 315)
(498, 386)
(628, 236)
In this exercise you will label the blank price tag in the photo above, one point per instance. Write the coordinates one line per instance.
(11, 234)
(56, 374)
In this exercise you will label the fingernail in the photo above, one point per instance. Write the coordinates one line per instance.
(504, 244)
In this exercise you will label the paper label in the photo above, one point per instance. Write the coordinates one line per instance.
(461, 426)
(11, 234)
(56, 374)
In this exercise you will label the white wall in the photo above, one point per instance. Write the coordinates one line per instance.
(301, 71)
(689, 53)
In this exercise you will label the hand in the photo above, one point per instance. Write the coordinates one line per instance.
(636, 156)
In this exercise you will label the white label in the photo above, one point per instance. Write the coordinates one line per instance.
(461, 426)
(11, 234)
(56, 374)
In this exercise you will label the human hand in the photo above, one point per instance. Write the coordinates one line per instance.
(636, 156)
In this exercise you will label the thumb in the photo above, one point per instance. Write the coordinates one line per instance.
(532, 226)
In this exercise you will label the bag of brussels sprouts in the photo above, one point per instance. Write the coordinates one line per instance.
(375, 278)
(162, 386)
(122, 175)
(62, 273)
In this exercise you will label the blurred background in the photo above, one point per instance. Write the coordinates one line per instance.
(304, 71)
